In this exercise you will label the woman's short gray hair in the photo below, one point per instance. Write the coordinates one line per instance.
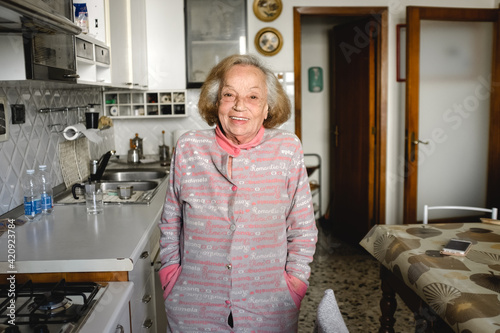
(277, 100)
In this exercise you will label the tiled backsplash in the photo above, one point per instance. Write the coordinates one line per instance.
(36, 142)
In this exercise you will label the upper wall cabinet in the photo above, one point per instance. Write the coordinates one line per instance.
(92, 52)
(96, 19)
(127, 29)
(166, 46)
(214, 30)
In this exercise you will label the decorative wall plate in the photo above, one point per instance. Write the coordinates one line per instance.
(267, 10)
(268, 41)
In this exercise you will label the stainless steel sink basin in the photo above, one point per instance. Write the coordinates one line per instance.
(144, 180)
(144, 185)
(133, 174)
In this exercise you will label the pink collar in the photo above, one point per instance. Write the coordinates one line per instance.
(231, 148)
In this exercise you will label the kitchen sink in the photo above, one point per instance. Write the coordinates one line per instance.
(133, 174)
(145, 182)
(143, 185)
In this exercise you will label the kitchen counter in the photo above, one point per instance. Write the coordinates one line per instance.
(69, 240)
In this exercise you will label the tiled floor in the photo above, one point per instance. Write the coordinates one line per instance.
(353, 275)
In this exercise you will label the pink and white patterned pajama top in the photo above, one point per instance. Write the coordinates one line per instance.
(239, 245)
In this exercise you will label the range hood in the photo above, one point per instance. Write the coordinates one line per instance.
(33, 15)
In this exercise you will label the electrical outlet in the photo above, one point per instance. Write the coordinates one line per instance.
(18, 113)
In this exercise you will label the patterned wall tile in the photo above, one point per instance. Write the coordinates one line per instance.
(35, 142)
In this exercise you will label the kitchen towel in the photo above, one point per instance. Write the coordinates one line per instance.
(73, 132)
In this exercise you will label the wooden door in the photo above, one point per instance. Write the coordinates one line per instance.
(414, 17)
(354, 49)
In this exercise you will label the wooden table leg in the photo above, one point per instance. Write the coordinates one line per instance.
(426, 320)
(388, 305)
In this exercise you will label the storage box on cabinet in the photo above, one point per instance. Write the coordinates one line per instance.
(92, 61)
(146, 104)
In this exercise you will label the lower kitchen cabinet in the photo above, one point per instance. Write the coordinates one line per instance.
(142, 304)
(160, 314)
(123, 325)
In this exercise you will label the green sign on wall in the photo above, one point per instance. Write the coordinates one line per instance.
(315, 79)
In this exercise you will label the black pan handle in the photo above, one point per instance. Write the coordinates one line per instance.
(73, 189)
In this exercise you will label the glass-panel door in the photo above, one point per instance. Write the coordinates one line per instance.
(214, 30)
(454, 114)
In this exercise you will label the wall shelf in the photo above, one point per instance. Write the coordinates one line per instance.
(142, 105)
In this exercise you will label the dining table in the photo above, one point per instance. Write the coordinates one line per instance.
(447, 293)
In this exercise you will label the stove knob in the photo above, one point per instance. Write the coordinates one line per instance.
(41, 328)
(12, 329)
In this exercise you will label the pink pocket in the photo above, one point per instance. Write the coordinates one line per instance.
(296, 287)
(168, 277)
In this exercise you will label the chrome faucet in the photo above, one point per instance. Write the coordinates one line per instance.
(96, 173)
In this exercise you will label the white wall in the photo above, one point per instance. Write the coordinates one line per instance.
(314, 127)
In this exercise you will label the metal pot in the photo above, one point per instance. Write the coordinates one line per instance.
(133, 156)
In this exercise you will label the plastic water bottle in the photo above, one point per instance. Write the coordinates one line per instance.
(46, 192)
(32, 200)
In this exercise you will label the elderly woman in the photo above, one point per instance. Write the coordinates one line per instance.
(238, 228)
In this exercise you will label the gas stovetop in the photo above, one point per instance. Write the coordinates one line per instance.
(47, 307)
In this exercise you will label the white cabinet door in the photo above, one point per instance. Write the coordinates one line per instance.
(161, 316)
(128, 43)
(139, 44)
(123, 325)
(166, 46)
(121, 57)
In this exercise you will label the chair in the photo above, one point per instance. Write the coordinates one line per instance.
(493, 211)
(328, 317)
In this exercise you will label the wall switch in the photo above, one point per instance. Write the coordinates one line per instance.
(18, 113)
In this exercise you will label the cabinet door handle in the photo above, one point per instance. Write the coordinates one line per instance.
(120, 327)
(146, 299)
(147, 323)
(144, 255)
(157, 266)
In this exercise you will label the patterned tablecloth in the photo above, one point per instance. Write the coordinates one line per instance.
(464, 291)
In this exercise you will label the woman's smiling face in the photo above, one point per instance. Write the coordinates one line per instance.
(243, 103)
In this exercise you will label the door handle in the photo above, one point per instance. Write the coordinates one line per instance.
(416, 142)
(336, 136)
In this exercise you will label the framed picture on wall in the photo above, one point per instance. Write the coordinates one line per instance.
(268, 41)
(267, 10)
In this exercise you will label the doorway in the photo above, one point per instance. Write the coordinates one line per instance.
(370, 193)
(452, 163)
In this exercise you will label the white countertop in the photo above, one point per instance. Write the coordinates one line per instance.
(69, 240)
